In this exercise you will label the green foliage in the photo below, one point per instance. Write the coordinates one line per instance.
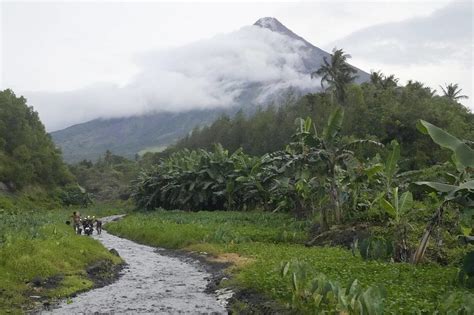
(456, 304)
(107, 179)
(466, 273)
(38, 244)
(175, 229)
(453, 92)
(293, 179)
(409, 289)
(75, 195)
(463, 154)
(372, 111)
(27, 154)
(460, 191)
(194, 180)
(375, 248)
(337, 73)
(319, 295)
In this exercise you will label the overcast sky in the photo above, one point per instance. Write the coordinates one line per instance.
(72, 48)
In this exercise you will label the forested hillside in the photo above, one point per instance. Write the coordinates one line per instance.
(376, 110)
(27, 154)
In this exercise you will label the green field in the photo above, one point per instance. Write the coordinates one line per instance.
(40, 256)
(270, 239)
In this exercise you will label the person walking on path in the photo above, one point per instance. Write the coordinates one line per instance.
(76, 219)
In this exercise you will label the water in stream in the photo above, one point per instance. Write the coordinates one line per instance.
(150, 284)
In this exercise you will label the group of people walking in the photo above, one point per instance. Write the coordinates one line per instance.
(85, 224)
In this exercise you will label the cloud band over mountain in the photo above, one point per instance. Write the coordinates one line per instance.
(204, 74)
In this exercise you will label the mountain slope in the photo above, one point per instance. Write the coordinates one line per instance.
(241, 70)
(128, 136)
(315, 56)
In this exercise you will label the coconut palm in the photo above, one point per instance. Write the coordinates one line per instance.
(376, 77)
(336, 73)
(379, 79)
(452, 91)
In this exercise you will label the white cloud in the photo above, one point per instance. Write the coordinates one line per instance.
(445, 34)
(207, 73)
(434, 49)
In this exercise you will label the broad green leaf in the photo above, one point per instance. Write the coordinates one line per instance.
(406, 202)
(395, 199)
(392, 160)
(374, 169)
(469, 185)
(389, 209)
(464, 154)
(334, 124)
(440, 187)
(307, 124)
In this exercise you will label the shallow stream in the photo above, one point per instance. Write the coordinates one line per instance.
(151, 283)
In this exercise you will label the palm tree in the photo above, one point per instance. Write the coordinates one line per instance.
(389, 81)
(376, 77)
(337, 74)
(379, 79)
(452, 92)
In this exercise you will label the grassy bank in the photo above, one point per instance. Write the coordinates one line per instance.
(265, 241)
(41, 258)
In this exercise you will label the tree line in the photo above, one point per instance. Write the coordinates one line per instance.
(380, 109)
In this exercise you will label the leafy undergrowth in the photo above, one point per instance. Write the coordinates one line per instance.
(41, 257)
(269, 240)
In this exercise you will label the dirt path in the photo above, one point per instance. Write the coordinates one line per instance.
(150, 284)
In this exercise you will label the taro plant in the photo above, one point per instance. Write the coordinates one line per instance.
(460, 191)
(319, 295)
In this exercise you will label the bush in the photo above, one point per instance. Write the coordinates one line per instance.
(75, 195)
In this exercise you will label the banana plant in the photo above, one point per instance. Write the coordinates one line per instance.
(329, 150)
(397, 210)
(461, 191)
(399, 206)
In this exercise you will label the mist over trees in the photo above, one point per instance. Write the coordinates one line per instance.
(376, 110)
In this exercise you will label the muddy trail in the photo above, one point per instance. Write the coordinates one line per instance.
(151, 283)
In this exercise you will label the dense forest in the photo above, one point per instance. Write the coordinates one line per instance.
(27, 154)
(379, 110)
(107, 179)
